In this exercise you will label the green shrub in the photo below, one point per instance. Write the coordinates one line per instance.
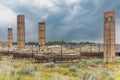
(19, 78)
(73, 69)
(1, 58)
(64, 65)
(75, 74)
(108, 74)
(80, 65)
(98, 61)
(12, 71)
(111, 77)
(50, 64)
(83, 62)
(89, 76)
(27, 71)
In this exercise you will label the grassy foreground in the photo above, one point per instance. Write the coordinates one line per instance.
(90, 69)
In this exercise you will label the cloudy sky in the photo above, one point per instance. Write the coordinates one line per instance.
(68, 20)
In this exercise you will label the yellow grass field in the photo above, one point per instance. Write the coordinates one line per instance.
(86, 69)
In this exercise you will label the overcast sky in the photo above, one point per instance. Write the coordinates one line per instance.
(68, 20)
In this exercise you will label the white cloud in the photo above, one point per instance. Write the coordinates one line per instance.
(72, 2)
(67, 10)
(73, 12)
(7, 19)
(52, 6)
(7, 16)
(96, 2)
(44, 3)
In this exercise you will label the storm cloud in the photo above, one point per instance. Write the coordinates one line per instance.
(68, 20)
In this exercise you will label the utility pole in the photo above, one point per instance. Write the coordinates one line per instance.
(80, 47)
(90, 47)
(32, 50)
(8, 48)
(99, 47)
(39, 48)
(80, 51)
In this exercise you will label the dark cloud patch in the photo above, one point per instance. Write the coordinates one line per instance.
(82, 21)
(92, 28)
(88, 5)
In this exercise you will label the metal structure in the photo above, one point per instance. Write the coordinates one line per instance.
(109, 36)
(20, 32)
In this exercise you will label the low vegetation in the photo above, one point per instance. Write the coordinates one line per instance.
(86, 69)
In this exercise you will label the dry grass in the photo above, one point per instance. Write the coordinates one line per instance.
(26, 70)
